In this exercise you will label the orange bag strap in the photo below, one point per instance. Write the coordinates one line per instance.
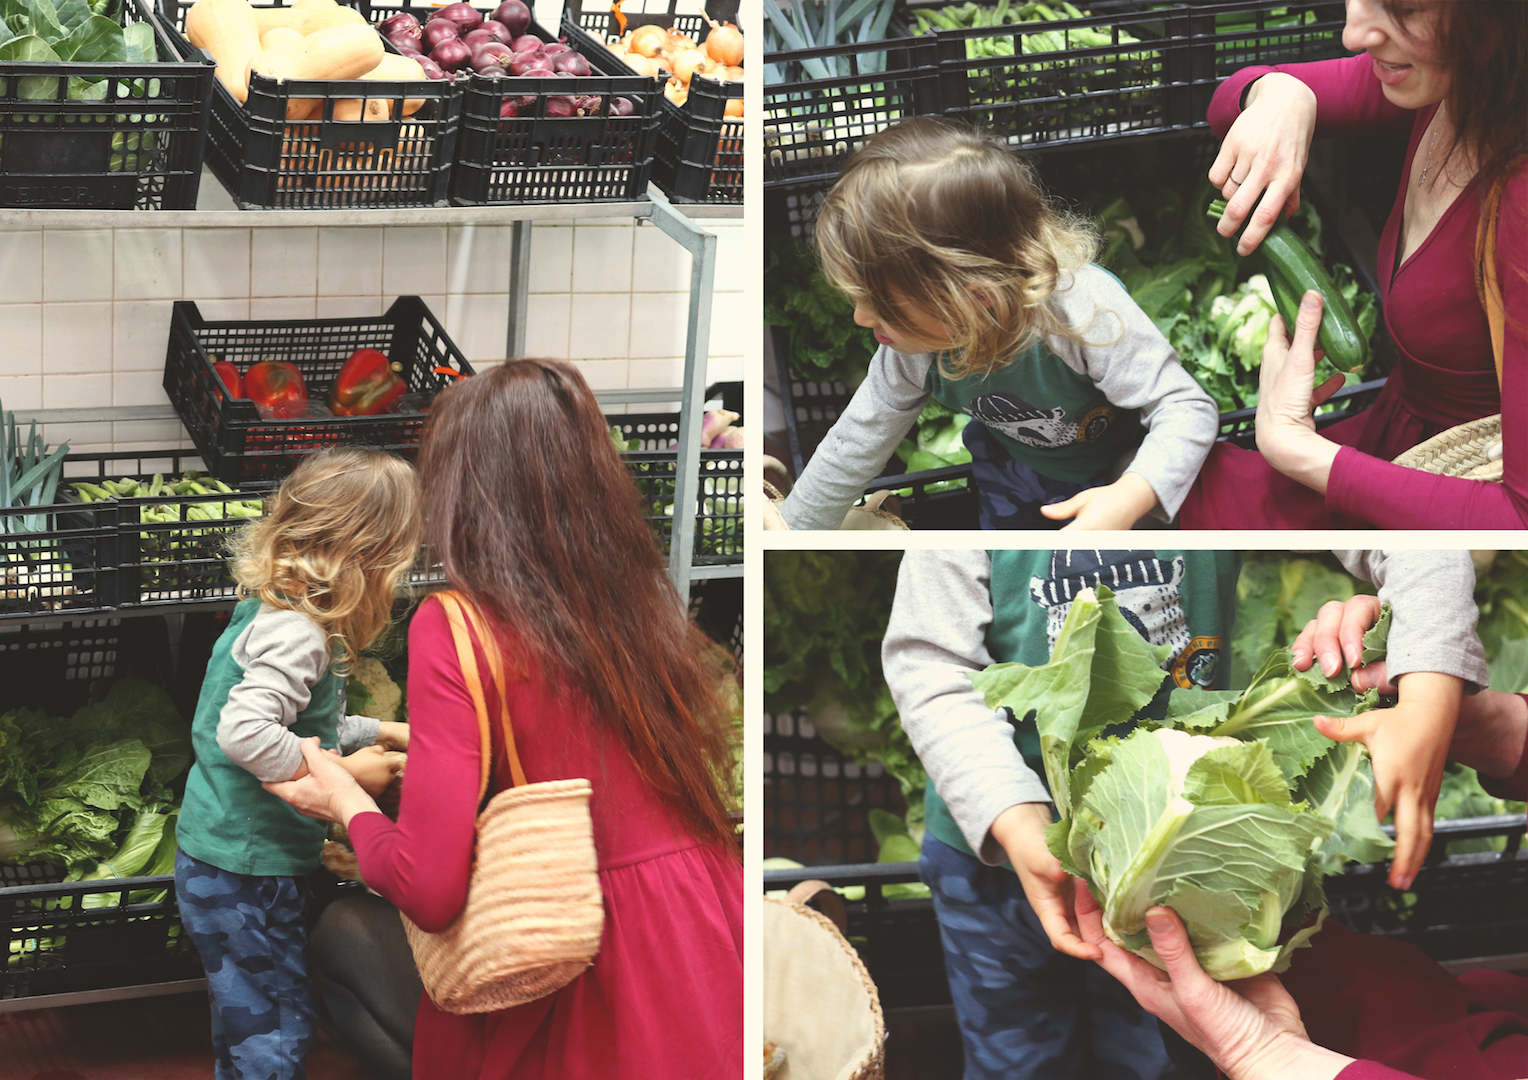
(459, 610)
(1486, 284)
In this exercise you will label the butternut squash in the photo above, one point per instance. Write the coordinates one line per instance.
(227, 29)
(345, 52)
(280, 37)
(395, 68)
(269, 18)
(306, 17)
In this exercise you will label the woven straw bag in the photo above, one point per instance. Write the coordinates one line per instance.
(1473, 450)
(534, 913)
(820, 1006)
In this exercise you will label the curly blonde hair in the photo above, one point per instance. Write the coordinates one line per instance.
(938, 218)
(338, 537)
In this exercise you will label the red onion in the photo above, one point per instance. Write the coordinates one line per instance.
(451, 55)
(514, 15)
(570, 62)
(432, 70)
(490, 31)
(438, 30)
(488, 67)
(463, 14)
(528, 65)
(399, 22)
(560, 106)
(588, 105)
(493, 50)
(405, 42)
(555, 48)
(527, 43)
(509, 108)
(622, 107)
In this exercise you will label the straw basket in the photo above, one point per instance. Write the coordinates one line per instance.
(1471, 451)
(820, 1006)
(533, 915)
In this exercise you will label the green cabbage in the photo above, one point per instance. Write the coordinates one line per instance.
(1229, 810)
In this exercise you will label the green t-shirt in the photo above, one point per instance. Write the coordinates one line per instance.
(227, 819)
(1185, 599)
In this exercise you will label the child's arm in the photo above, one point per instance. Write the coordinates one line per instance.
(283, 654)
(851, 455)
(935, 640)
(1131, 363)
(1432, 654)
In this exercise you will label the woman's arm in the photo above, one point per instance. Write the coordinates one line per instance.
(1348, 97)
(422, 862)
(853, 452)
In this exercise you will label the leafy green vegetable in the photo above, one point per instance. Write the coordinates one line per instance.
(824, 342)
(1230, 810)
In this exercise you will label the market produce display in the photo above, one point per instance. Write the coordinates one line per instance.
(33, 569)
(1230, 811)
(720, 525)
(656, 50)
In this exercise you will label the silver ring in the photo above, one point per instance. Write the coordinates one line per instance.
(1235, 181)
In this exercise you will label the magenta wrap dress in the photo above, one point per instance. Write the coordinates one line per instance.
(1445, 375)
(665, 995)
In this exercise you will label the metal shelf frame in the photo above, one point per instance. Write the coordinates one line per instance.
(677, 222)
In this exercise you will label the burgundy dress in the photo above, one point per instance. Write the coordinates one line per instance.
(665, 995)
(1446, 374)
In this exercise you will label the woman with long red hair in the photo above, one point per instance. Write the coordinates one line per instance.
(535, 519)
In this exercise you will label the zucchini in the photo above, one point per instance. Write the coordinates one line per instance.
(1290, 260)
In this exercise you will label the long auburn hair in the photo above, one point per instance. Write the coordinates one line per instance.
(1484, 45)
(338, 537)
(532, 513)
(936, 216)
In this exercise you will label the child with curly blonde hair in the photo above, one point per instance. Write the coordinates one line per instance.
(982, 295)
(319, 575)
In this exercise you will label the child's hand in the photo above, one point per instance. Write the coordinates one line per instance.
(1336, 637)
(1409, 745)
(373, 768)
(392, 735)
(1114, 506)
(1020, 830)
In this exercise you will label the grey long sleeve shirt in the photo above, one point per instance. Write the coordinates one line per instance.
(1124, 355)
(283, 653)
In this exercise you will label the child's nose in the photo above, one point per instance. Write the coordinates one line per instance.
(863, 316)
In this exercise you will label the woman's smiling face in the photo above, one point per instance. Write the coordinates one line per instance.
(1405, 61)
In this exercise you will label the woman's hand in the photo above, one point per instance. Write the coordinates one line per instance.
(328, 792)
(1336, 637)
(1409, 747)
(1020, 831)
(1113, 506)
(1263, 157)
(1286, 428)
(1249, 1028)
(1491, 733)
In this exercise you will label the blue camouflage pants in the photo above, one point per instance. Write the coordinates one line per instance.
(253, 943)
(1009, 494)
(1024, 1009)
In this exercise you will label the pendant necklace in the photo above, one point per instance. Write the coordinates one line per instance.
(1432, 142)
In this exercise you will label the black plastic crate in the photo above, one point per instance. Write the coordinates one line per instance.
(240, 448)
(268, 162)
(699, 150)
(536, 158)
(54, 560)
(91, 935)
(59, 666)
(810, 126)
(1461, 906)
(817, 802)
(655, 469)
(898, 939)
(139, 146)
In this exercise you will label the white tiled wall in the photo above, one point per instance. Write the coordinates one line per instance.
(88, 311)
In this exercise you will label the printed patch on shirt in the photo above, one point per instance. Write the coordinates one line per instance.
(1093, 426)
(1195, 666)
(1149, 593)
(1011, 415)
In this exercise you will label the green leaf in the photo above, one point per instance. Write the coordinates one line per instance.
(96, 40)
(43, 18)
(140, 44)
(1340, 787)
(1375, 638)
(72, 13)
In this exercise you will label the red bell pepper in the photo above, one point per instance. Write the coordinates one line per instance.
(366, 385)
(277, 389)
(230, 376)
